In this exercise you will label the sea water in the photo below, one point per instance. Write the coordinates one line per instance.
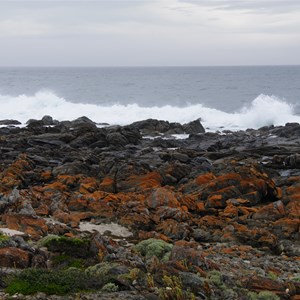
(231, 98)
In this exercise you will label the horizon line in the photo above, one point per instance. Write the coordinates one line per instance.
(156, 66)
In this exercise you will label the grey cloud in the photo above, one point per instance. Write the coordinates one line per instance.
(264, 6)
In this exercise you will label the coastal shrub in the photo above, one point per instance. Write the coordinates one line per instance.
(215, 277)
(296, 278)
(173, 290)
(154, 247)
(252, 296)
(75, 247)
(4, 240)
(66, 261)
(134, 274)
(264, 295)
(272, 275)
(51, 282)
(110, 288)
(267, 295)
(108, 272)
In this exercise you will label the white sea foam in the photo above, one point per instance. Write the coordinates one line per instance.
(264, 110)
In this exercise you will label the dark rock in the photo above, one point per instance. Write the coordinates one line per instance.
(10, 122)
(193, 127)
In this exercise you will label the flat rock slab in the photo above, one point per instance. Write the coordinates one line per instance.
(11, 232)
(113, 229)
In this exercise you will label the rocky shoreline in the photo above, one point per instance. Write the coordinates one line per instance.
(152, 210)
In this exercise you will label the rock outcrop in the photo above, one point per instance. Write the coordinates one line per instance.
(219, 213)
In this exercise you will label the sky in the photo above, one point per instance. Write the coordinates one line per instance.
(149, 33)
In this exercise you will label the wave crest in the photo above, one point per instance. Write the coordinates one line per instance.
(264, 110)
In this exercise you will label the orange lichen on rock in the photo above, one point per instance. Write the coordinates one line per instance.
(107, 185)
(32, 225)
(162, 197)
(204, 178)
(11, 257)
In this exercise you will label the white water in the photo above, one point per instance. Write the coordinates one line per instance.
(264, 110)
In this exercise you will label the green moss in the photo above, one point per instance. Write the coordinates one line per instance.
(154, 247)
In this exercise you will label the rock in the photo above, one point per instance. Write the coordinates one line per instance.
(228, 204)
(14, 258)
(10, 122)
(263, 284)
(31, 225)
(161, 197)
(273, 211)
(193, 127)
(174, 230)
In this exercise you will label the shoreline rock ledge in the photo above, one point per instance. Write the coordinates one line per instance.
(134, 212)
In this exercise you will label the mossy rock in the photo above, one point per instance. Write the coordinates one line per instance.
(154, 247)
(75, 247)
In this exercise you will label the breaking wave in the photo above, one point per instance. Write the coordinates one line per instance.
(264, 110)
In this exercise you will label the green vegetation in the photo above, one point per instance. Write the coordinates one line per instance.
(264, 295)
(154, 247)
(108, 272)
(75, 247)
(110, 288)
(59, 282)
(66, 261)
(272, 275)
(173, 290)
(215, 277)
(296, 278)
(3, 239)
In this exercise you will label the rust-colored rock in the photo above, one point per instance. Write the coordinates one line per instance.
(14, 258)
(162, 197)
(33, 225)
(272, 211)
(263, 284)
(204, 178)
(174, 229)
(107, 185)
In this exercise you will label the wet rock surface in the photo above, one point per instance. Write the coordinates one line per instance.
(219, 212)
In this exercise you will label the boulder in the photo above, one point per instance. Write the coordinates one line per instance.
(14, 258)
(193, 127)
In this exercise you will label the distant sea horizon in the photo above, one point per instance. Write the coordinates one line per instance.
(223, 97)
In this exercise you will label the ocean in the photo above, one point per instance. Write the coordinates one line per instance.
(231, 98)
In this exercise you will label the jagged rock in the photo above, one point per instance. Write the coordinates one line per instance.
(193, 127)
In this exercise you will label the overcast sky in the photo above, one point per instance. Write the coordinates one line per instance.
(149, 33)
